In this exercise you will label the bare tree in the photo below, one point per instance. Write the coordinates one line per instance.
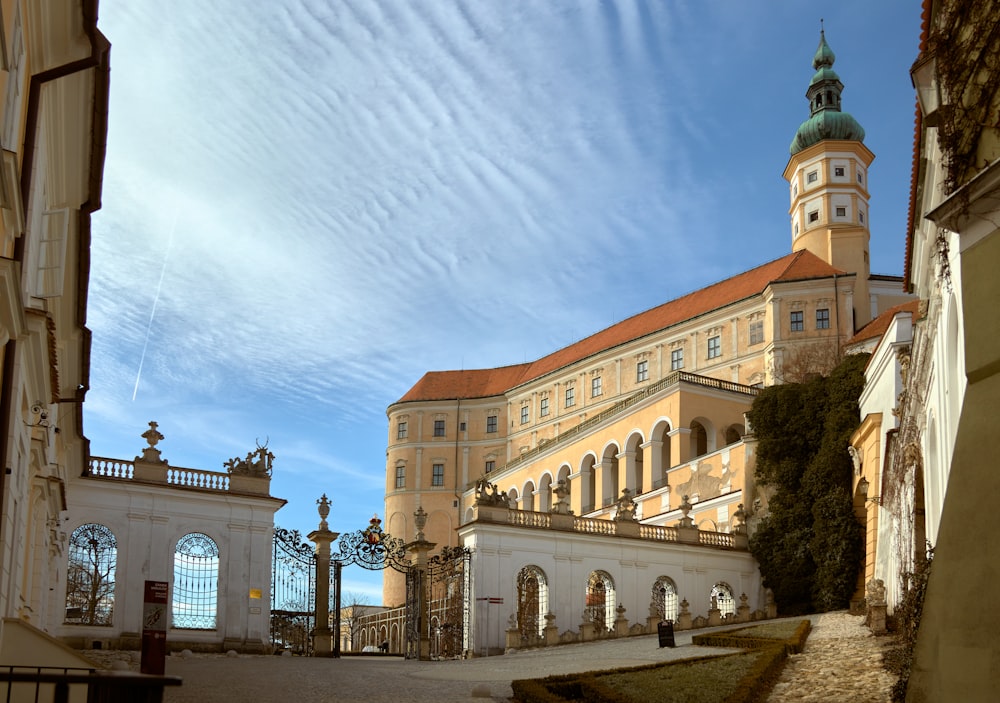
(353, 607)
(807, 361)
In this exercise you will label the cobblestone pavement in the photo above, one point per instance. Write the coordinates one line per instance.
(840, 664)
(842, 661)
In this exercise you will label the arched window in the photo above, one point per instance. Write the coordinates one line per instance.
(196, 582)
(532, 602)
(600, 608)
(722, 594)
(699, 439)
(90, 576)
(664, 600)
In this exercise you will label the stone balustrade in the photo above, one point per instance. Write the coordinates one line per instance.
(121, 470)
(595, 526)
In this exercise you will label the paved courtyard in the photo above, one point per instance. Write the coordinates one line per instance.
(841, 663)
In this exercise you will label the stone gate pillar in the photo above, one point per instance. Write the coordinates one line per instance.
(419, 550)
(323, 537)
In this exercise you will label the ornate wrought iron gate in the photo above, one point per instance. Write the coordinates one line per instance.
(437, 597)
(293, 592)
(448, 596)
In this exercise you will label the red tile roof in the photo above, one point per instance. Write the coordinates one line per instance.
(878, 326)
(481, 383)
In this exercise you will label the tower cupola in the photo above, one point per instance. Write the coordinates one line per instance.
(826, 119)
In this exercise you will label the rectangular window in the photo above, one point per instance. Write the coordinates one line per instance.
(524, 414)
(676, 359)
(714, 347)
(861, 217)
(490, 465)
(812, 177)
(797, 323)
(401, 430)
(491, 423)
(543, 407)
(841, 211)
(838, 170)
(861, 178)
(439, 428)
(756, 332)
(595, 387)
(814, 216)
(400, 477)
(642, 371)
(437, 475)
(570, 397)
(823, 319)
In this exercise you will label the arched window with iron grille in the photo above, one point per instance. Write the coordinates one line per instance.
(724, 601)
(90, 576)
(600, 604)
(532, 602)
(196, 582)
(664, 599)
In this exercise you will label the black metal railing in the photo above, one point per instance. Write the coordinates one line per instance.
(54, 684)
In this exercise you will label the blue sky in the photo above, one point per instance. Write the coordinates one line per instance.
(309, 203)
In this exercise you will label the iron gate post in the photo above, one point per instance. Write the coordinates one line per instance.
(323, 537)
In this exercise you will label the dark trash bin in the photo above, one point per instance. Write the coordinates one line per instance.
(665, 630)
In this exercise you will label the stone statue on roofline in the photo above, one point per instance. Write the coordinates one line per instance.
(489, 494)
(626, 507)
(151, 454)
(258, 463)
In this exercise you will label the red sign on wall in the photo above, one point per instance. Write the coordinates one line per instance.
(154, 628)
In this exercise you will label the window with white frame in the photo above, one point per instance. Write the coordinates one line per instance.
(812, 176)
(756, 332)
(439, 428)
(491, 423)
(714, 347)
(570, 397)
(400, 476)
(841, 211)
(642, 371)
(797, 324)
(543, 407)
(676, 359)
(823, 319)
(437, 474)
(596, 388)
(490, 465)
(401, 429)
(524, 414)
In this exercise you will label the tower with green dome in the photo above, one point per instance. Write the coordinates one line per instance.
(827, 175)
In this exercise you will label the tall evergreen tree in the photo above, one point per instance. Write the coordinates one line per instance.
(809, 545)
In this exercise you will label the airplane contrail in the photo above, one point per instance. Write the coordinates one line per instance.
(156, 299)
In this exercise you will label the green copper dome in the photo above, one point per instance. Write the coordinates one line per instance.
(826, 121)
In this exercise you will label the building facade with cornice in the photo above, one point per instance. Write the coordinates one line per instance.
(643, 413)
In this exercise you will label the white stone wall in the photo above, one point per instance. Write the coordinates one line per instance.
(567, 559)
(147, 520)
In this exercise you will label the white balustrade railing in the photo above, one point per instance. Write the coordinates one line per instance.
(118, 469)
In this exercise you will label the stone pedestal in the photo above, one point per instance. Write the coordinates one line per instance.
(551, 630)
(621, 623)
(560, 521)
(684, 617)
(586, 631)
(714, 617)
(743, 610)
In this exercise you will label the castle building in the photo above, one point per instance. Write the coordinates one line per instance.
(648, 412)
(53, 126)
(925, 475)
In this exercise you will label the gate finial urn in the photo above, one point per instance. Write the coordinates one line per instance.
(324, 511)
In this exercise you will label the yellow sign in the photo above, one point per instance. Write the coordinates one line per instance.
(255, 593)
